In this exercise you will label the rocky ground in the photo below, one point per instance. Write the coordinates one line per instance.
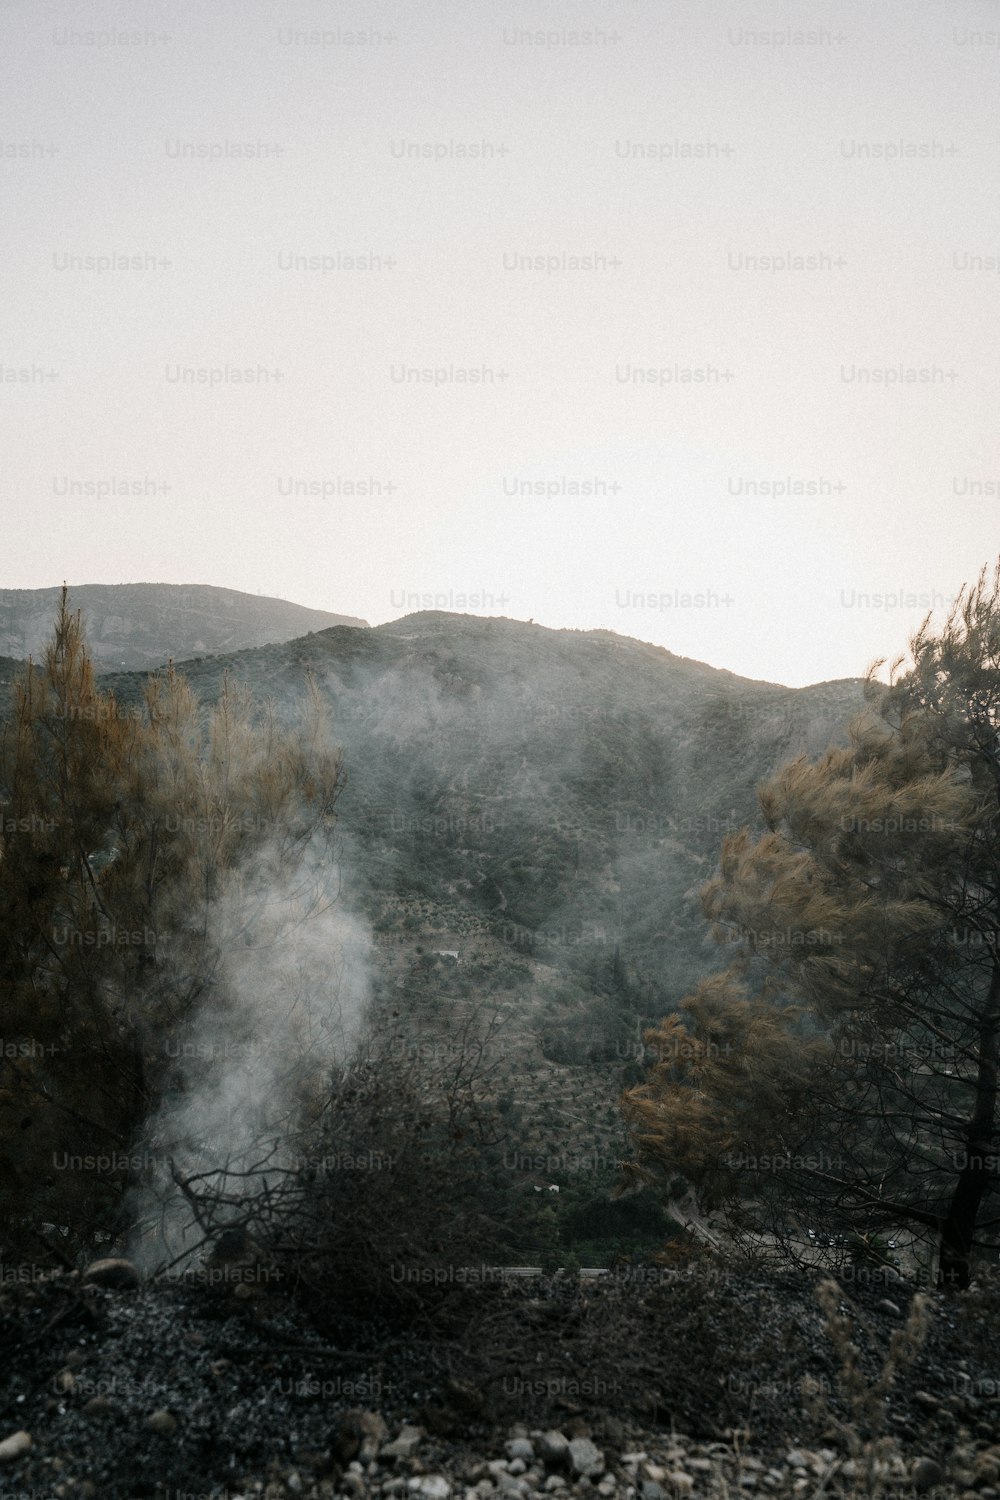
(686, 1383)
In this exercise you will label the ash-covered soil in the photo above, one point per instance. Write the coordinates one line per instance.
(187, 1388)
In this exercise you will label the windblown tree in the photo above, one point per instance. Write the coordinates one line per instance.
(123, 833)
(843, 1070)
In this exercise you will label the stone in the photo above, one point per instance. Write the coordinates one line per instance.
(796, 1459)
(98, 1406)
(465, 1396)
(682, 1483)
(162, 1422)
(406, 1444)
(372, 1424)
(612, 1431)
(553, 1448)
(585, 1458)
(985, 1470)
(888, 1306)
(114, 1272)
(925, 1474)
(650, 1490)
(434, 1487)
(555, 1482)
(521, 1448)
(516, 1466)
(926, 1400)
(15, 1446)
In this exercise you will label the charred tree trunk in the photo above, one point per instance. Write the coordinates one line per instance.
(976, 1174)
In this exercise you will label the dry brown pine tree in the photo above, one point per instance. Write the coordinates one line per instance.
(842, 1070)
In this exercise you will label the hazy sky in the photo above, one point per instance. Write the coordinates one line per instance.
(384, 214)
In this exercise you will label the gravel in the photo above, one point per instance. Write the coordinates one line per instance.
(180, 1389)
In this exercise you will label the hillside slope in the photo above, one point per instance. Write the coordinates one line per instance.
(144, 624)
(571, 789)
(528, 820)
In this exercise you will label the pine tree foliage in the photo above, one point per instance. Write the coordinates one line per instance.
(843, 1069)
(119, 831)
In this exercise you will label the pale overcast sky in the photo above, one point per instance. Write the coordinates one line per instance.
(563, 311)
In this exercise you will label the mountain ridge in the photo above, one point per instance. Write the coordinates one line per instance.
(142, 625)
(549, 777)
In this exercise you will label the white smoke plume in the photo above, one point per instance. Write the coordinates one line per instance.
(287, 1001)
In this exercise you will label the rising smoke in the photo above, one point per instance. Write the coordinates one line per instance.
(251, 1064)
